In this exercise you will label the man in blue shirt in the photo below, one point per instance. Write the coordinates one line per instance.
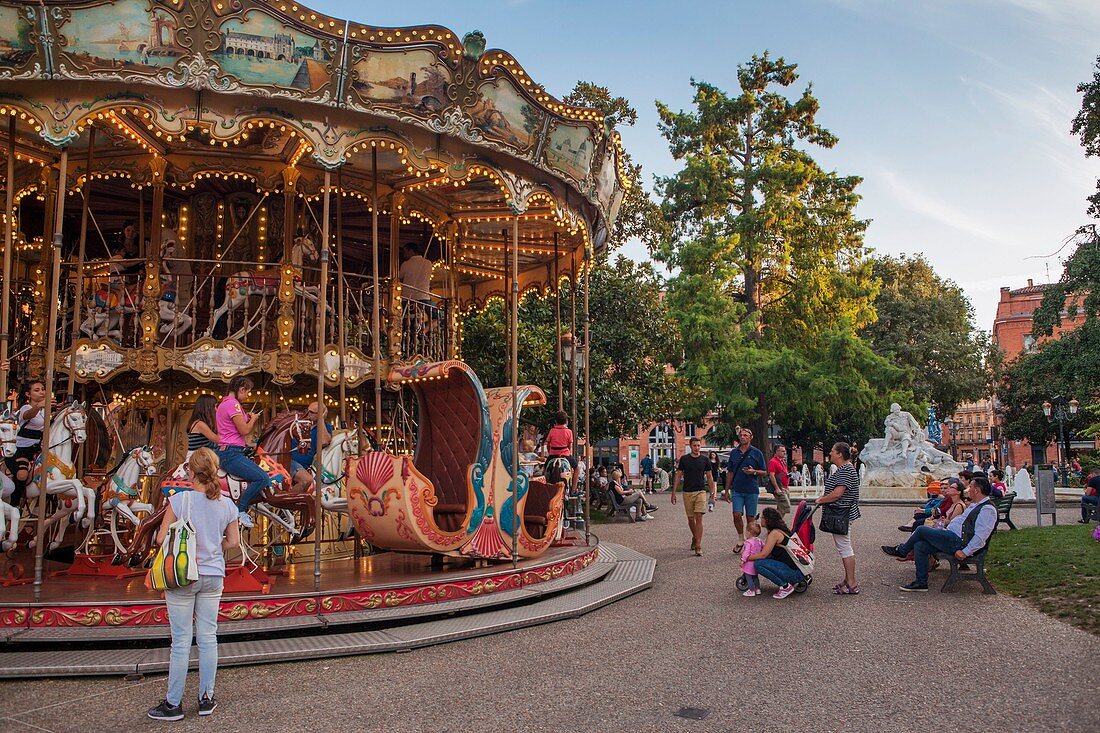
(302, 457)
(965, 536)
(647, 474)
(745, 465)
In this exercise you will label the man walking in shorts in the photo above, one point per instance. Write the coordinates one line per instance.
(693, 471)
(746, 463)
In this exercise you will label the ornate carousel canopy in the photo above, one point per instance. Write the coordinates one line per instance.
(237, 107)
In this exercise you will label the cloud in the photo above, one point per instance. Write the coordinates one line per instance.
(932, 207)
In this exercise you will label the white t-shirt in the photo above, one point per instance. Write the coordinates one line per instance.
(38, 422)
(416, 278)
(209, 518)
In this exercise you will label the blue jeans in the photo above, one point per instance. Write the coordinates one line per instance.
(236, 463)
(198, 602)
(1087, 503)
(778, 572)
(927, 541)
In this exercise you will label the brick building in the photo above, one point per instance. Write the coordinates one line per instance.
(1012, 331)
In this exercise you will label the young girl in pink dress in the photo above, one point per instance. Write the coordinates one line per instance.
(753, 545)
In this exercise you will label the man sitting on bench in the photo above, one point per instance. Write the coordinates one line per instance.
(965, 536)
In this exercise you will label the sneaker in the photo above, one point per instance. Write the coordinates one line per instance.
(893, 551)
(652, 508)
(642, 518)
(245, 520)
(207, 705)
(647, 516)
(710, 506)
(914, 587)
(750, 593)
(784, 592)
(166, 711)
(906, 527)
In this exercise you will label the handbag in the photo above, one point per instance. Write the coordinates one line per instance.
(834, 519)
(175, 565)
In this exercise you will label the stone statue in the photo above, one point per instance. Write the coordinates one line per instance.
(904, 457)
(904, 434)
(1022, 485)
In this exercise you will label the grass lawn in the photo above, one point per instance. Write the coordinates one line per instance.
(1056, 568)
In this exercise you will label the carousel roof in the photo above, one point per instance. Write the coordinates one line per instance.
(249, 94)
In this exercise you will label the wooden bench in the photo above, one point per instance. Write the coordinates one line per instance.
(977, 562)
(1004, 509)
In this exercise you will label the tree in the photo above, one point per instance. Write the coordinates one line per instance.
(638, 213)
(769, 253)
(1086, 125)
(634, 341)
(925, 325)
(1077, 292)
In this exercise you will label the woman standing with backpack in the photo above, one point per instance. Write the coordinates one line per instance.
(193, 608)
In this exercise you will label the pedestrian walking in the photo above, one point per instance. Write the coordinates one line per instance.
(842, 508)
(693, 472)
(647, 474)
(193, 608)
(746, 464)
(780, 480)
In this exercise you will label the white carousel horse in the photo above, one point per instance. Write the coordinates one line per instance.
(240, 285)
(120, 496)
(344, 444)
(9, 514)
(75, 500)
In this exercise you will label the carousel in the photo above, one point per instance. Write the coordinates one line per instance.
(200, 190)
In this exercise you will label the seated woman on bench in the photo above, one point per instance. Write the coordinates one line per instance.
(628, 498)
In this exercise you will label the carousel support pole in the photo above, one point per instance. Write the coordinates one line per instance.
(452, 291)
(321, 308)
(397, 321)
(77, 307)
(36, 361)
(284, 359)
(376, 303)
(587, 396)
(148, 366)
(340, 298)
(51, 334)
(513, 334)
(9, 245)
(573, 368)
(557, 329)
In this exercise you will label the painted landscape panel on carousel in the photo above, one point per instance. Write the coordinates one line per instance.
(412, 81)
(15, 43)
(262, 51)
(503, 114)
(569, 150)
(122, 35)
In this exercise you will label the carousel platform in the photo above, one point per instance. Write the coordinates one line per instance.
(383, 603)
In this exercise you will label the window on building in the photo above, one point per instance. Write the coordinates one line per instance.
(662, 443)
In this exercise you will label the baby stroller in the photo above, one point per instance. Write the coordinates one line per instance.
(801, 551)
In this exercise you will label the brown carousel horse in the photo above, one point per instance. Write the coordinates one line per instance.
(280, 505)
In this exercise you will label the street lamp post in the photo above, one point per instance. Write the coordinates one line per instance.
(951, 423)
(1059, 408)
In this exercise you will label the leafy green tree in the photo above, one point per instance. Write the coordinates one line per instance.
(634, 342)
(925, 325)
(1086, 125)
(767, 247)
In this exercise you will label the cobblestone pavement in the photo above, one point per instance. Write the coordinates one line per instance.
(880, 661)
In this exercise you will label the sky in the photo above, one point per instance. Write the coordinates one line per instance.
(956, 113)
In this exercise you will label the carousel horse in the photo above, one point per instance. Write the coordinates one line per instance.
(278, 505)
(9, 514)
(111, 302)
(344, 444)
(120, 496)
(75, 500)
(240, 285)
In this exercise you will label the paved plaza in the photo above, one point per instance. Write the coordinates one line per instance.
(882, 661)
